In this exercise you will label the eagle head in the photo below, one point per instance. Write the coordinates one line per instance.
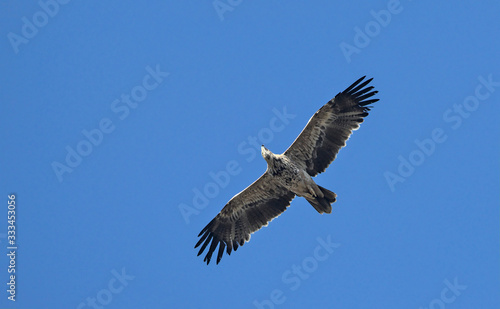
(266, 154)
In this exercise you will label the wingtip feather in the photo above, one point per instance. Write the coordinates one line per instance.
(354, 84)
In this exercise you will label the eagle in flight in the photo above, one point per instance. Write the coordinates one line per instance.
(290, 174)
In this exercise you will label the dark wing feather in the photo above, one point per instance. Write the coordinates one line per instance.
(244, 214)
(329, 128)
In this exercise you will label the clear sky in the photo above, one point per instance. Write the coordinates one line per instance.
(126, 127)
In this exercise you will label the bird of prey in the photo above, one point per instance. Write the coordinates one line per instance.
(289, 174)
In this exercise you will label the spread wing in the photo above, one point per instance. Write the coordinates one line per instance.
(329, 128)
(244, 214)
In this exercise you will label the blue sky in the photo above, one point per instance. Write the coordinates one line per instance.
(119, 120)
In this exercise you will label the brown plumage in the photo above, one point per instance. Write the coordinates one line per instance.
(289, 174)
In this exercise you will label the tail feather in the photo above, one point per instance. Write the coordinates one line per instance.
(329, 195)
(323, 204)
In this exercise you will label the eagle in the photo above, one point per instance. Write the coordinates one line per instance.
(290, 174)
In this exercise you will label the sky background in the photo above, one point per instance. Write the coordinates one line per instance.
(116, 228)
